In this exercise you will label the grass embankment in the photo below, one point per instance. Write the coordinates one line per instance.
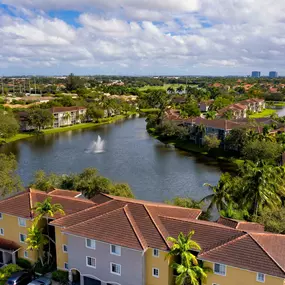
(265, 113)
(275, 103)
(65, 129)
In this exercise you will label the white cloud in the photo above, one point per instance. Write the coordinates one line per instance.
(146, 36)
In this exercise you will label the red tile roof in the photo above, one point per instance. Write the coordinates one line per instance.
(8, 245)
(64, 193)
(22, 204)
(241, 225)
(66, 109)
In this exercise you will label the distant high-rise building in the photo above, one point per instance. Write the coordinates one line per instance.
(255, 74)
(273, 74)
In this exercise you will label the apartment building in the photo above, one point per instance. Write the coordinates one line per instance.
(119, 241)
(66, 116)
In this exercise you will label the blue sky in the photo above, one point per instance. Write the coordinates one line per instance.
(134, 37)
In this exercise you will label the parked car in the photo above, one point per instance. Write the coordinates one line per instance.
(41, 281)
(20, 278)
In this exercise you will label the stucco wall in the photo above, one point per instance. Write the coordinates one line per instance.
(61, 257)
(236, 276)
(131, 261)
(12, 232)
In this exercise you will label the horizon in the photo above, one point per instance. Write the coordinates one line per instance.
(217, 38)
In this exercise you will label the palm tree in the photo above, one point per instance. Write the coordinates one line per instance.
(189, 269)
(263, 186)
(36, 241)
(45, 210)
(67, 116)
(221, 196)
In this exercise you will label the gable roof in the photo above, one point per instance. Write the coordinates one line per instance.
(22, 204)
(241, 225)
(64, 193)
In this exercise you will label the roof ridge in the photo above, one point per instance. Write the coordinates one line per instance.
(104, 214)
(84, 210)
(273, 259)
(225, 243)
(15, 196)
(156, 226)
(73, 199)
(30, 203)
(135, 227)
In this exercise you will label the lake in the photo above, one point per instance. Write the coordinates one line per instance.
(154, 171)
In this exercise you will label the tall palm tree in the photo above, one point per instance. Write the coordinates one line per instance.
(47, 210)
(263, 186)
(189, 269)
(36, 241)
(221, 196)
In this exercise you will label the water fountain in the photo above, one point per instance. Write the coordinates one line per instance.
(96, 146)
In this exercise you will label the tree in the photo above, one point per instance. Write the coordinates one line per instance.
(211, 115)
(73, 82)
(228, 115)
(9, 126)
(9, 180)
(36, 240)
(185, 203)
(40, 118)
(211, 141)
(189, 270)
(94, 113)
(221, 195)
(191, 109)
(263, 186)
(236, 139)
(262, 150)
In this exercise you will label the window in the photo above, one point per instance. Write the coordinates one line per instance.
(65, 265)
(90, 243)
(91, 261)
(155, 272)
(115, 268)
(64, 248)
(26, 254)
(260, 277)
(22, 222)
(115, 250)
(155, 252)
(220, 269)
(2, 232)
(23, 238)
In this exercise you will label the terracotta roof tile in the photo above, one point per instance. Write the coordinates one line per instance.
(244, 252)
(66, 109)
(8, 245)
(64, 193)
(241, 225)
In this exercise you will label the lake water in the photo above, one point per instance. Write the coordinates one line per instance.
(154, 171)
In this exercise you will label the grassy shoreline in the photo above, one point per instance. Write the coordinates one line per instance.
(22, 136)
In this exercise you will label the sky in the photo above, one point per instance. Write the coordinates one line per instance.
(141, 37)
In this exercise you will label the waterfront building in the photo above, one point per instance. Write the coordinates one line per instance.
(112, 240)
(256, 74)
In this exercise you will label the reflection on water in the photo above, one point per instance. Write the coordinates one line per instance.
(155, 171)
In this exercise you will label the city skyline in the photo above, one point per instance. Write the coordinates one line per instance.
(129, 37)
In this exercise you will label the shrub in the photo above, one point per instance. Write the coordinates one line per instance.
(7, 271)
(24, 263)
(60, 276)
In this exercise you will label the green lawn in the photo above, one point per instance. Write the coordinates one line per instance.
(65, 129)
(263, 114)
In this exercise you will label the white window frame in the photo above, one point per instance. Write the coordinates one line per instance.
(258, 280)
(22, 220)
(117, 247)
(65, 251)
(218, 273)
(87, 262)
(92, 240)
(153, 275)
(26, 254)
(20, 238)
(116, 264)
(65, 265)
(1, 230)
(153, 252)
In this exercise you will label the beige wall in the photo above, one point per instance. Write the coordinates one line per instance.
(165, 272)
(236, 276)
(60, 240)
(12, 232)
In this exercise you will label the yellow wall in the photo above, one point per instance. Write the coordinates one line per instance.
(12, 232)
(60, 240)
(236, 276)
(165, 272)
